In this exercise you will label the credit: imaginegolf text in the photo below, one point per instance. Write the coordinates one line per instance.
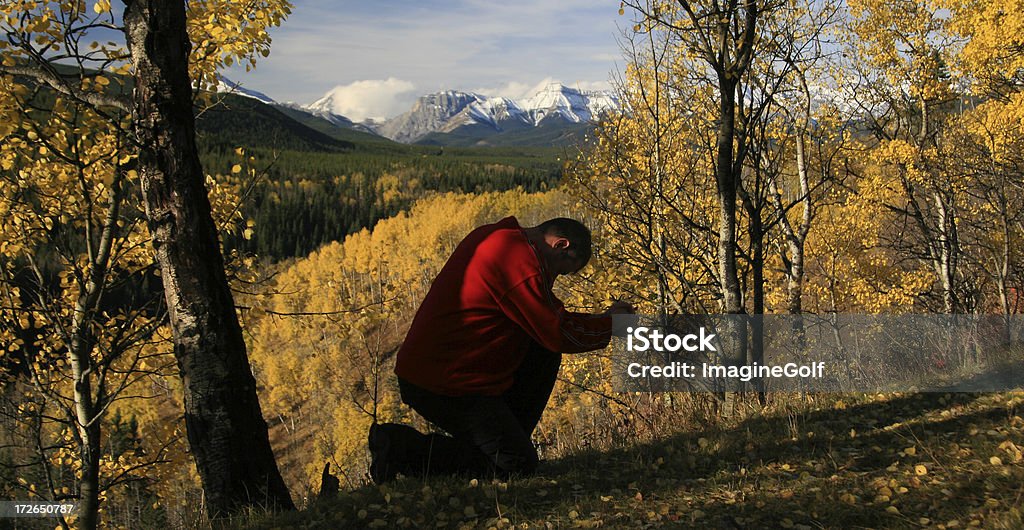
(745, 373)
(644, 339)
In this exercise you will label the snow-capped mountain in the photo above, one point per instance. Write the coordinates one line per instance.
(440, 112)
(226, 85)
(570, 104)
(465, 117)
(323, 108)
(470, 113)
(335, 119)
(319, 110)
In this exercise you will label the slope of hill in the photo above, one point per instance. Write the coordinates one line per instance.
(886, 461)
(244, 121)
(345, 131)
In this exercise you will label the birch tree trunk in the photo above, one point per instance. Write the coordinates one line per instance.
(226, 430)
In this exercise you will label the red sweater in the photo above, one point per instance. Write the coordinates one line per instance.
(490, 301)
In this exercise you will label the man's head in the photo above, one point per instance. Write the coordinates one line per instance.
(566, 244)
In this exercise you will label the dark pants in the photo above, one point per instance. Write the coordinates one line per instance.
(489, 435)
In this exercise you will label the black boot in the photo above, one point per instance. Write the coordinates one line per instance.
(394, 449)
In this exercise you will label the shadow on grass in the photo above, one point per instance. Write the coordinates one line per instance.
(885, 464)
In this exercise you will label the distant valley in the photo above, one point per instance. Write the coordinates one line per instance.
(320, 176)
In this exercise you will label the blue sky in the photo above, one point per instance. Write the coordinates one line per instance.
(379, 56)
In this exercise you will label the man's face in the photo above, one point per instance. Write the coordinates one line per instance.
(562, 259)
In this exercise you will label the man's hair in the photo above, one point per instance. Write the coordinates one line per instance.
(573, 230)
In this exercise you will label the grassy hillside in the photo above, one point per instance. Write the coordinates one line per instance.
(347, 134)
(881, 461)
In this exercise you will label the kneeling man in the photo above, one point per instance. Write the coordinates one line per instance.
(483, 352)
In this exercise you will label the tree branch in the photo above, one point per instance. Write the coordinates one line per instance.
(60, 85)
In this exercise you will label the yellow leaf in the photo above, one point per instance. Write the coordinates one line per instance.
(996, 461)
(920, 470)
(236, 168)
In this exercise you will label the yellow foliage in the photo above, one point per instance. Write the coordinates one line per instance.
(224, 33)
(907, 41)
(995, 32)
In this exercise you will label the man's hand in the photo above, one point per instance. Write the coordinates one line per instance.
(620, 307)
(619, 325)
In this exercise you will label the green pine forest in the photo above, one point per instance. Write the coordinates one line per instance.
(316, 183)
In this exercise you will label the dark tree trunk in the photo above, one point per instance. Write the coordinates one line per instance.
(727, 180)
(89, 484)
(226, 430)
(757, 235)
(733, 331)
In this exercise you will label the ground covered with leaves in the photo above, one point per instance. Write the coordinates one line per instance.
(867, 461)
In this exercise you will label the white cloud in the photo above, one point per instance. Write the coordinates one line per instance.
(511, 89)
(438, 45)
(591, 86)
(372, 98)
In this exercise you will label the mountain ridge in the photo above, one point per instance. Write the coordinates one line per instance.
(454, 117)
(451, 111)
